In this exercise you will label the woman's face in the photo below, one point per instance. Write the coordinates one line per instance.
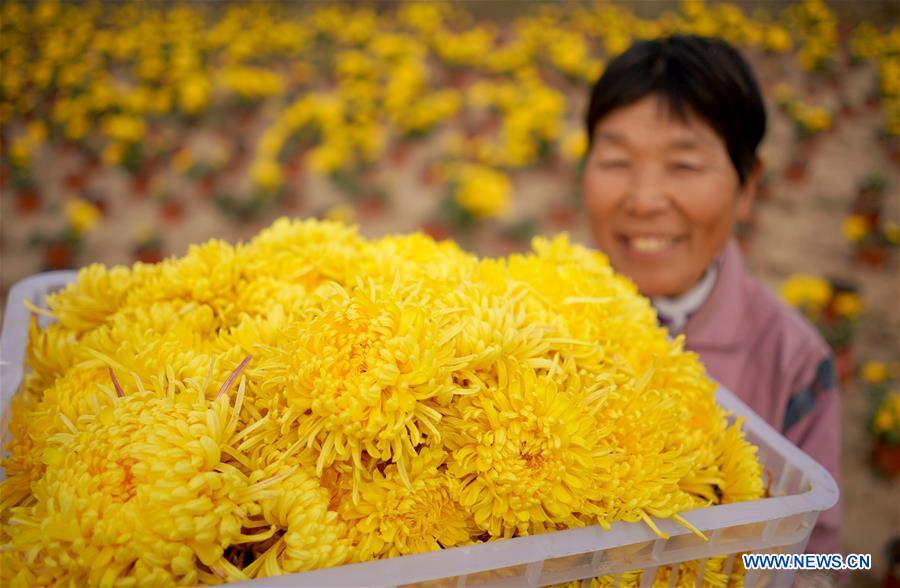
(662, 196)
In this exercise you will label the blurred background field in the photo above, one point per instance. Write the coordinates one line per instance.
(130, 131)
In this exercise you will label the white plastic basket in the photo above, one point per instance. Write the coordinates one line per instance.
(800, 490)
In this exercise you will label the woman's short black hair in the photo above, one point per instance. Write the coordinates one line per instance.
(693, 76)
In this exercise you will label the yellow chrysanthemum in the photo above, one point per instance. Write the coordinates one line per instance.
(252, 82)
(313, 536)
(777, 39)
(574, 146)
(687, 572)
(20, 152)
(140, 488)
(806, 291)
(892, 232)
(113, 154)
(855, 228)
(483, 192)
(50, 403)
(329, 157)
(83, 216)
(782, 93)
(887, 418)
(124, 128)
(266, 174)
(384, 358)
(527, 454)
(194, 93)
(393, 517)
(307, 253)
(36, 132)
(874, 372)
(741, 472)
(847, 304)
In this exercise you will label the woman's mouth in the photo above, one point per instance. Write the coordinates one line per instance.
(650, 245)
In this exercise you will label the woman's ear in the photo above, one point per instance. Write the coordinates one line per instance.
(747, 192)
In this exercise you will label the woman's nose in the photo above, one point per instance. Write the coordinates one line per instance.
(646, 195)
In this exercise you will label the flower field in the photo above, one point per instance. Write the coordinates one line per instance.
(132, 131)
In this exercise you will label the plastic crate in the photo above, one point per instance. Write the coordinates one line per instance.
(800, 490)
(14, 336)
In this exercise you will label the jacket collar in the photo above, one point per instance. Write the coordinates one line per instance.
(721, 321)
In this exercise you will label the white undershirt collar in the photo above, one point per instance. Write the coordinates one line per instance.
(675, 312)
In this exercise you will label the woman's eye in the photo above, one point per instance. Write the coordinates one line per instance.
(612, 163)
(682, 166)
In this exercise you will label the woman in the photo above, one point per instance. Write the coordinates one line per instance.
(674, 126)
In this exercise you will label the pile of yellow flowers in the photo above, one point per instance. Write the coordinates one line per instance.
(310, 398)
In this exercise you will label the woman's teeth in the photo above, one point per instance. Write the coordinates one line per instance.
(650, 244)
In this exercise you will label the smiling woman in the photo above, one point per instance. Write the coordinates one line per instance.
(662, 195)
(674, 125)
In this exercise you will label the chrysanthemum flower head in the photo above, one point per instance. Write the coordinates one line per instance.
(307, 253)
(356, 375)
(394, 518)
(76, 392)
(741, 471)
(526, 453)
(491, 323)
(311, 536)
(97, 293)
(148, 340)
(649, 461)
(209, 274)
(49, 352)
(874, 372)
(438, 265)
(257, 297)
(141, 488)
